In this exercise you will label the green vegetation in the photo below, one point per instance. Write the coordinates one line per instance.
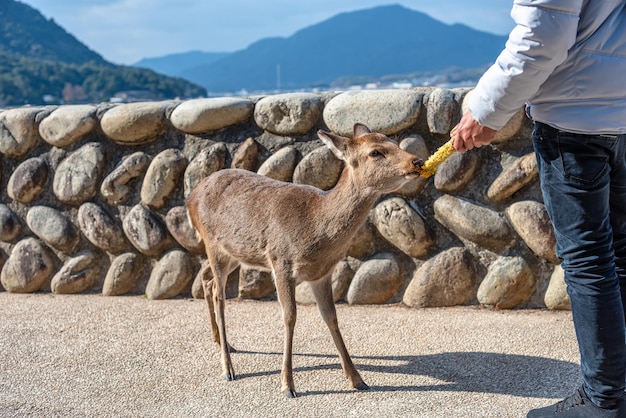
(31, 81)
(40, 63)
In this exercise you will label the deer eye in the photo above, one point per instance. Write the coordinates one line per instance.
(376, 154)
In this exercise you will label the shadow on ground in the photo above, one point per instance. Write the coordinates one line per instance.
(506, 374)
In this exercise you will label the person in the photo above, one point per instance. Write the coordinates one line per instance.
(565, 60)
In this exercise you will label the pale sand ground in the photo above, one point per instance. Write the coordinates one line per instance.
(92, 356)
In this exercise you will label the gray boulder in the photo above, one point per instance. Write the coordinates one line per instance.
(146, 231)
(447, 279)
(171, 275)
(100, 228)
(10, 224)
(19, 132)
(556, 296)
(135, 123)
(521, 172)
(77, 177)
(52, 227)
(531, 221)
(179, 226)
(125, 272)
(457, 171)
(385, 111)
(67, 124)
(28, 180)
(247, 155)
(204, 115)
(319, 168)
(29, 267)
(206, 162)
(162, 178)
(280, 165)
(290, 114)
(255, 284)
(508, 283)
(441, 111)
(376, 281)
(115, 187)
(79, 273)
(470, 221)
(402, 226)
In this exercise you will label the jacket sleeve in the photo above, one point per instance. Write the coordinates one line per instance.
(544, 32)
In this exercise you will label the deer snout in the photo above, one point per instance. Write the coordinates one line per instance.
(417, 163)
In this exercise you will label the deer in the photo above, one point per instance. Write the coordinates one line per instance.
(295, 231)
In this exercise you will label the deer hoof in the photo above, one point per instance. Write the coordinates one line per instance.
(230, 376)
(290, 393)
(361, 386)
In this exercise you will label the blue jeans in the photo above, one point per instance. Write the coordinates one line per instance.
(583, 182)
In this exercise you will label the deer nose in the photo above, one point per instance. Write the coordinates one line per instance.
(418, 162)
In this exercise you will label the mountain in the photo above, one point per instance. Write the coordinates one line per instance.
(367, 43)
(26, 32)
(175, 64)
(41, 63)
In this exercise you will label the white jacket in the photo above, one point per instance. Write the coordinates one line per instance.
(566, 59)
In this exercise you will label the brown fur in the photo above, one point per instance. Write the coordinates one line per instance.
(297, 232)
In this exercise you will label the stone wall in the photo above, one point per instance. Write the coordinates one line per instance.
(92, 199)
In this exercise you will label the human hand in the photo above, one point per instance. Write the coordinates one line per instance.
(470, 134)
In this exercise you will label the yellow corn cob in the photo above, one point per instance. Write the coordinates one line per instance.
(434, 161)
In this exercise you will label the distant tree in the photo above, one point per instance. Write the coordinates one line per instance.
(40, 61)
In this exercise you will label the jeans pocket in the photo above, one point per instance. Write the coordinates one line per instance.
(547, 148)
(582, 159)
(585, 158)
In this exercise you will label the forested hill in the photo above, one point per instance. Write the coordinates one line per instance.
(40, 63)
(26, 32)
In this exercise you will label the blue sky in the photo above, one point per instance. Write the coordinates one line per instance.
(124, 31)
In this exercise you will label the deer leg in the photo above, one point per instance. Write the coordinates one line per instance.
(322, 289)
(207, 285)
(220, 267)
(286, 292)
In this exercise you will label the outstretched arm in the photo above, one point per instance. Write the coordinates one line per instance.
(544, 32)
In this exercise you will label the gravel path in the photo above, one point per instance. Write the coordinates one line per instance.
(92, 356)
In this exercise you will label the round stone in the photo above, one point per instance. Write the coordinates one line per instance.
(79, 273)
(288, 114)
(146, 231)
(204, 115)
(54, 228)
(385, 111)
(447, 279)
(28, 180)
(134, 123)
(125, 272)
(100, 228)
(162, 177)
(172, 274)
(28, 268)
(67, 124)
(375, 282)
(77, 177)
(10, 224)
(18, 131)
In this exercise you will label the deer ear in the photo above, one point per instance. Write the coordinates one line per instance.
(336, 143)
(360, 130)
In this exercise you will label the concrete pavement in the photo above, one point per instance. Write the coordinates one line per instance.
(93, 356)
